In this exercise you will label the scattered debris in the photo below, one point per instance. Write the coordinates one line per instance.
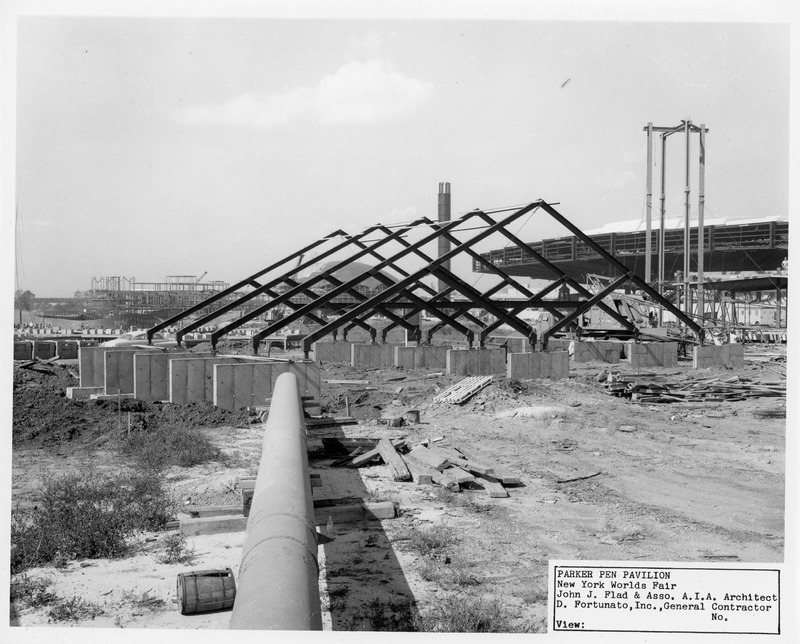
(579, 478)
(652, 388)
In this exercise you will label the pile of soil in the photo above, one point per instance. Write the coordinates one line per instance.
(43, 414)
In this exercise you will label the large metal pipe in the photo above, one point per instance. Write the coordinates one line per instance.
(278, 587)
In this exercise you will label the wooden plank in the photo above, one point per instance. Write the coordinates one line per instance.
(213, 525)
(393, 460)
(217, 511)
(443, 479)
(355, 512)
(492, 486)
(419, 473)
(428, 458)
(458, 475)
(366, 457)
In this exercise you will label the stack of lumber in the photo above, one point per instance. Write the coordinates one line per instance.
(450, 467)
(652, 388)
(463, 390)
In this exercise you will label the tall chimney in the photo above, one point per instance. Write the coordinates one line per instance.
(444, 216)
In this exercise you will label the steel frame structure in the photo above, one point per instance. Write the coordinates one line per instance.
(403, 295)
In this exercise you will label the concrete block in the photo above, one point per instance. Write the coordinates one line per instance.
(250, 384)
(67, 349)
(433, 357)
(476, 362)
(192, 379)
(83, 393)
(44, 349)
(602, 351)
(332, 351)
(514, 344)
(653, 354)
(23, 351)
(552, 365)
(151, 373)
(373, 355)
(726, 355)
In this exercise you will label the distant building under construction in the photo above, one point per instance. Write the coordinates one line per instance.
(140, 304)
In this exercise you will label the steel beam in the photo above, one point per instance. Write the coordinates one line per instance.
(245, 282)
(262, 288)
(314, 280)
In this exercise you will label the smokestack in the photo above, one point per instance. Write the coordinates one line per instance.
(444, 216)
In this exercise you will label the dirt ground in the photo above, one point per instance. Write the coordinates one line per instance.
(672, 482)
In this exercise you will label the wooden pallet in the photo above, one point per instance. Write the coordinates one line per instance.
(462, 390)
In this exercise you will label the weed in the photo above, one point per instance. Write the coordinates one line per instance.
(144, 600)
(175, 550)
(461, 500)
(447, 576)
(85, 515)
(31, 591)
(460, 614)
(389, 616)
(74, 609)
(432, 540)
(164, 445)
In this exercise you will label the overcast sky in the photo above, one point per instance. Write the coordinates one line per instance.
(149, 147)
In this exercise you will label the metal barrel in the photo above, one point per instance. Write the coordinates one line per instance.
(278, 586)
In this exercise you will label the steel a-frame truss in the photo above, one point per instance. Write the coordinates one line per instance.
(403, 294)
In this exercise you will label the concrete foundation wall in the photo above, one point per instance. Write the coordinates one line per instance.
(151, 373)
(67, 349)
(553, 365)
(726, 355)
(250, 384)
(332, 351)
(421, 357)
(44, 349)
(192, 379)
(92, 364)
(23, 351)
(514, 344)
(83, 393)
(603, 351)
(373, 355)
(476, 362)
(653, 354)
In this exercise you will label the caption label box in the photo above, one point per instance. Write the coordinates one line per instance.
(663, 599)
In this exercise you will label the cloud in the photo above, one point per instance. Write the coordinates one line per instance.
(357, 92)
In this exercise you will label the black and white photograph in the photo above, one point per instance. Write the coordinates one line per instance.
(425, 318)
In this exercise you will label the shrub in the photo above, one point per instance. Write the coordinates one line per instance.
(176, 550)
(85, 515)
(459, 614)
(74, 609)
(447, 576)
(432, 540)
(165, 445)
(31, 591)
(144, 601)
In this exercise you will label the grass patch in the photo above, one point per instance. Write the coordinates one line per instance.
(74, 609)
(175, 550)
(161, 446)
(84, 516)
(143, 601)
(460, 614)
(462, 500)
(428, 541)
(387, 616)
(447, 575)
(31, 592)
